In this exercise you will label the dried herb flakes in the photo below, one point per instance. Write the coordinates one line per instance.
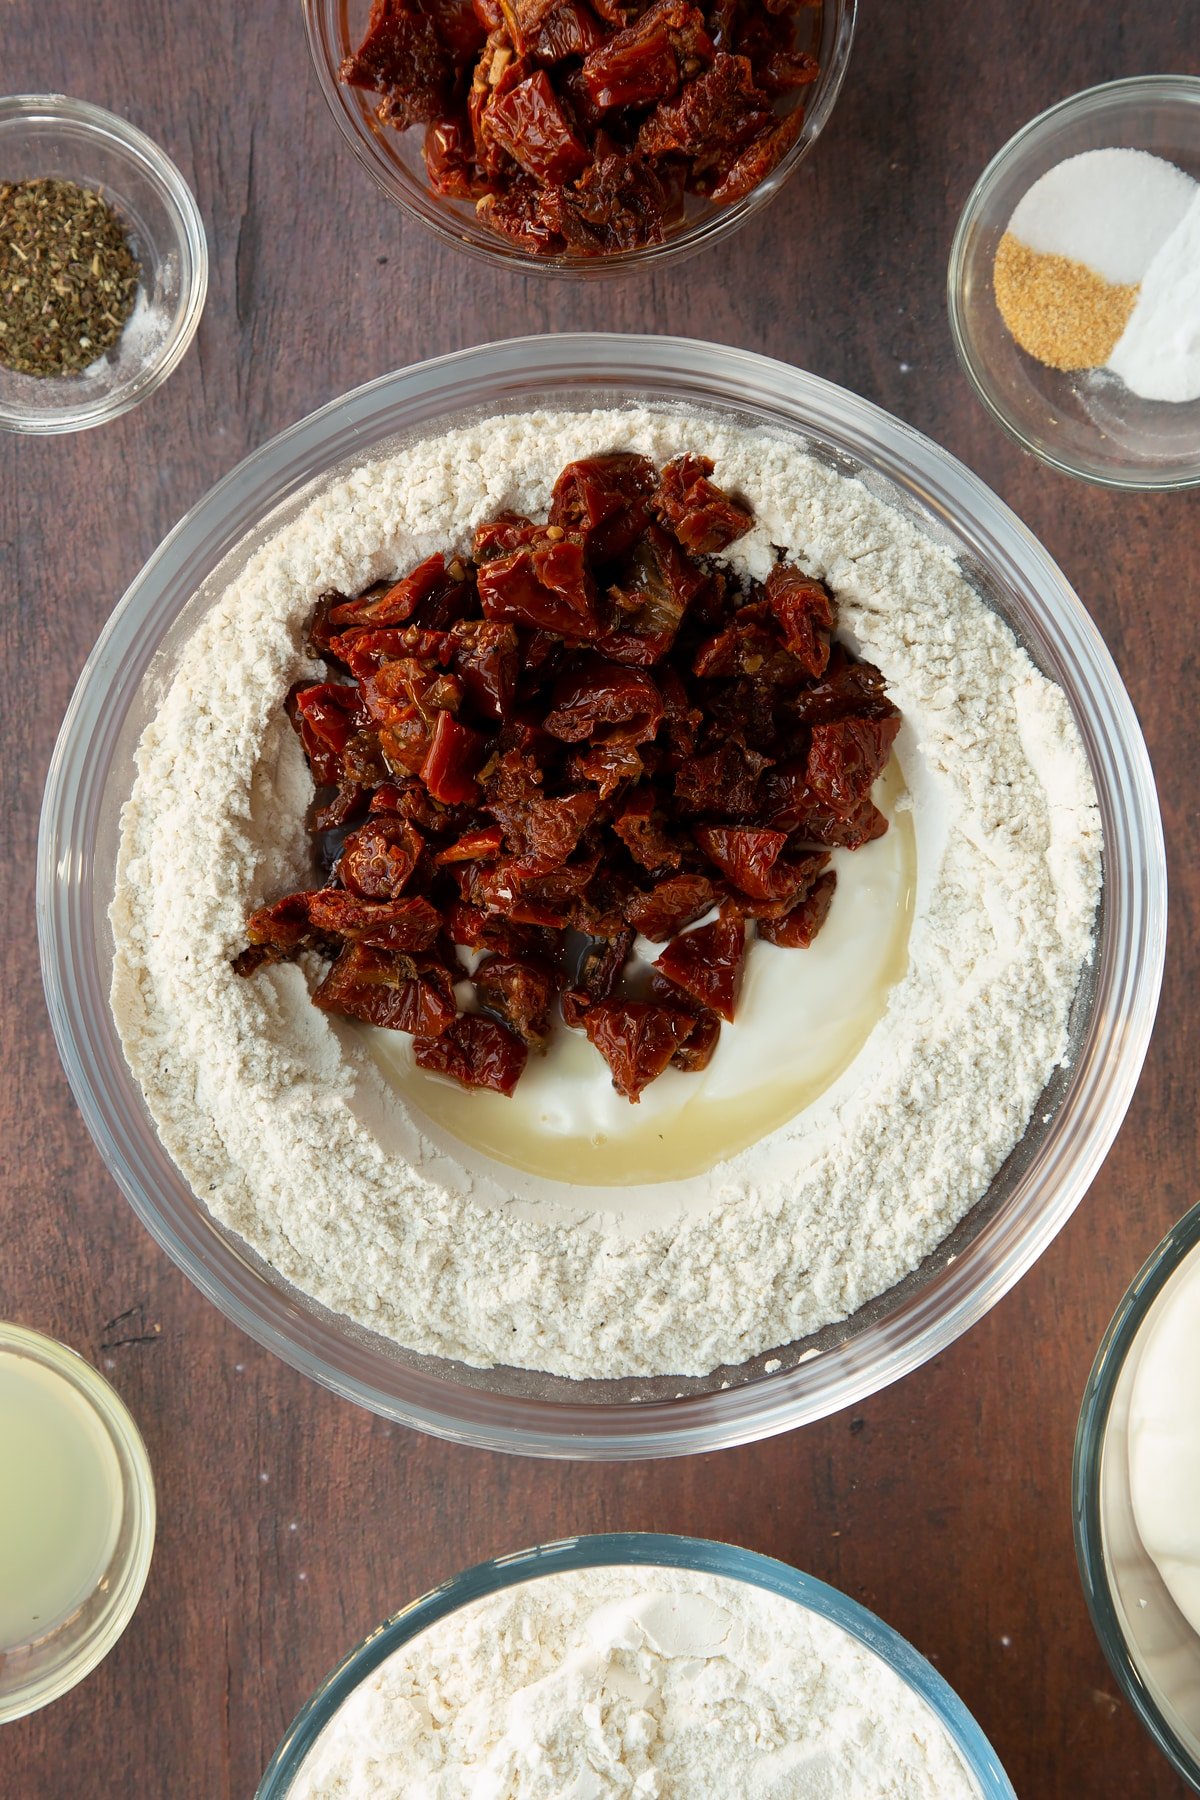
(68, 278)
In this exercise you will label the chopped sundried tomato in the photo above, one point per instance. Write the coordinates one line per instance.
(720, 109)
(721, 781)
(792, 878)
(410, 925)
(605, 703)
(449, 158)
(651, 590)
(576, 129)
(797, 928)
(707, 963)
(397, 603)
(847, 688)
(486, 659)
(546, 584)
(346, 805)
(475, 1051)
(388, 991)
(641, 826)
(569, 29)
(805, 614)
(600, 969)
(474, 846)
(745, 853)
(792, 806)
(379, 857)
(671, 905)
(696, 1051)
(405, 58)
(578, 731)
(701, 515)
(284, 926)
(845, 759)
(529, 123)
(553, 828)
(521, 991)
(608, 765)
(619, 203)
(454, 755)
(758, 160)
(606, 499)
(325, 715)
(637, 1039)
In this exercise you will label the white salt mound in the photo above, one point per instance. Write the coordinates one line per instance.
(1158, 353)
(1111, 209)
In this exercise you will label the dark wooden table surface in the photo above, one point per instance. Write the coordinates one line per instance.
(291, 1522)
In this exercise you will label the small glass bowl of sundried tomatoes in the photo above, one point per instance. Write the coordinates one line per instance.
(581, 136)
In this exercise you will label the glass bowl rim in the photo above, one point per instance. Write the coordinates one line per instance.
(489, 247)
(121, 1428)
(1091, 1431)
(1137, 905)
(643, 1549)
(153, 164)
(1092, 99)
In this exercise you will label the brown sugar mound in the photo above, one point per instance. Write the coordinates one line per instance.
(1059, 310)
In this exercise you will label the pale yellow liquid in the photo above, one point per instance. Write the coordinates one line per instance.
(60, 1501)
(686, 1124)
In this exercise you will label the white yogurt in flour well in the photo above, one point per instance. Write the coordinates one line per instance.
(802, 1018)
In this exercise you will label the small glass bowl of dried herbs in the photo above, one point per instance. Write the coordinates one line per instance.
(103, 265)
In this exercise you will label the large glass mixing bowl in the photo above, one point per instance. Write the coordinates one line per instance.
(1032, 1195)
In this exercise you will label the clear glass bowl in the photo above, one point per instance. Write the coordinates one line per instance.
(50, 134)
(1087, 424)
(34, 1676)
(91, 774)
(1151, 1648)
(652, 1550)
(393, 159)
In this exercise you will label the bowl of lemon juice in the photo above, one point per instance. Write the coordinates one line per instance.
(76, 1519)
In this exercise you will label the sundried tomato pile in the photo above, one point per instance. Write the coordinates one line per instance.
(585, 732)
(580, 128)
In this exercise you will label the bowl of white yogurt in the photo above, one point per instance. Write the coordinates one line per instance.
(1136, 1482)
(531, 1293)
(635, 1664)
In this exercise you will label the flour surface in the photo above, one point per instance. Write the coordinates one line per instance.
(649, 1684)
(285, 1127)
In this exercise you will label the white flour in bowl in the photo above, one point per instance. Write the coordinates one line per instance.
(290, 1135)
(644, 1683)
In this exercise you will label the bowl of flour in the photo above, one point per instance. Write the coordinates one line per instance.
(635, 1664)
(386, 1241)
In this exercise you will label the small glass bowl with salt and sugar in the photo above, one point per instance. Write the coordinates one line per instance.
(1137, 1468)
(1074, 284)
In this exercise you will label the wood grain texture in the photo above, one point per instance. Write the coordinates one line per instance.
(290, 1522)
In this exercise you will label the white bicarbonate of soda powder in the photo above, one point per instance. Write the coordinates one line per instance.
(634, 1683)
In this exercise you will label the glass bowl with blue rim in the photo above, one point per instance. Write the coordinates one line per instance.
(622, 1549)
